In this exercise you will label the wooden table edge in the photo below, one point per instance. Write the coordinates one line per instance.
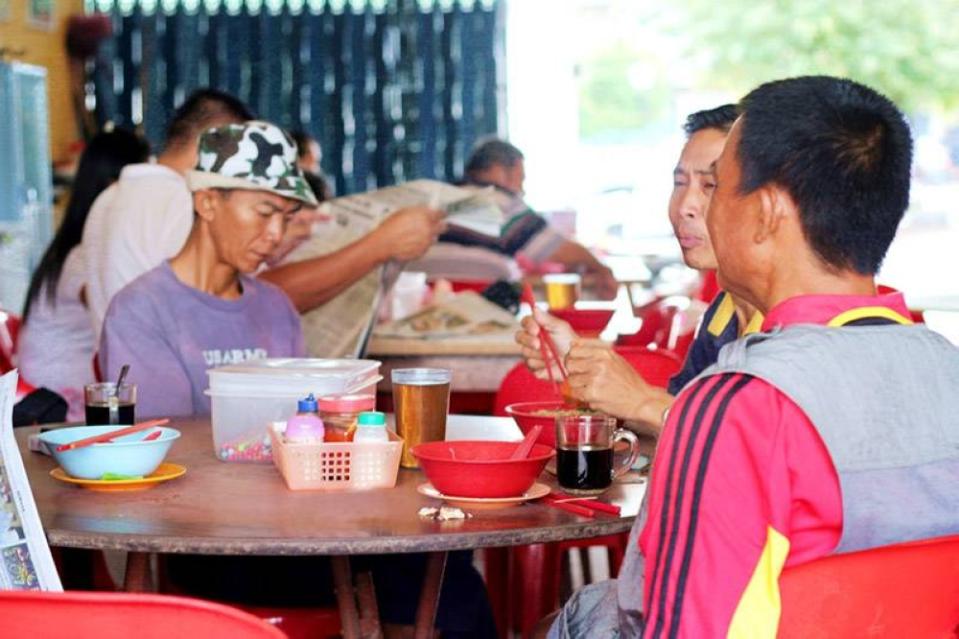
(154, 543)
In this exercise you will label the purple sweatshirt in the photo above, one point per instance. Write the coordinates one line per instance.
(171, 334)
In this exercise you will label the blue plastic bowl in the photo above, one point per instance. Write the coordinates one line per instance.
(127, 455)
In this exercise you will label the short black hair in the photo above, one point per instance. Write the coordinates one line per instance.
(490, 152)
(302, 140)
(319, 186)
(721, 118)
(201, 110)
(843, 152)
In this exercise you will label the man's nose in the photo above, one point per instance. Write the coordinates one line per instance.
(275, 227)
(691, 204)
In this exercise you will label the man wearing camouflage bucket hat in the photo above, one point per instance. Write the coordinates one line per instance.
(255, 155)
(202, 309)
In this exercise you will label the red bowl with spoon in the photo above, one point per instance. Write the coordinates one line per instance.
(544, 413)
(480, 469)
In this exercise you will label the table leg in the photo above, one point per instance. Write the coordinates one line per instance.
(345, 597)
(137, 576)
(369, 610)
(430, 595)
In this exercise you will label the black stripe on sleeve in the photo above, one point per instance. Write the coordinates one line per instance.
(674, 454)
(697, 498)
(677, 510)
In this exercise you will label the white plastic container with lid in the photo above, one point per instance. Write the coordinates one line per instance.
(371, 428)
(246, 397)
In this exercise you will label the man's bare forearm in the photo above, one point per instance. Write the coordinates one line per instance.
(313, 282)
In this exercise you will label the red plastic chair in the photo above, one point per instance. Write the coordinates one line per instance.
(88, 615)
(708, 287)
(9, 332)
(531, 574)
(667, 323)
(916, 316)
(905, 590)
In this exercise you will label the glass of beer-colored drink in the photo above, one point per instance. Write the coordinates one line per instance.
(421, 398)
(562, 290)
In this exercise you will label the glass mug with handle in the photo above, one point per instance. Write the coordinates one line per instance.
(585, 459)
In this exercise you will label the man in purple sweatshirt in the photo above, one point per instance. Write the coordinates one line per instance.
(201, 309)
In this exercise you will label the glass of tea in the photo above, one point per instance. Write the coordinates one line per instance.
(108, 405)
(562, 290)
(585, 461)
(421, 398)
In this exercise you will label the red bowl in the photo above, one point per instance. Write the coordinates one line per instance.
(525, 415)
(586, 322)
(480, 468)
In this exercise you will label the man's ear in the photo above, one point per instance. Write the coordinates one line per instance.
(205, 203)
(775, 207)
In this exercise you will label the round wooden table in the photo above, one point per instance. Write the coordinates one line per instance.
(242, 509)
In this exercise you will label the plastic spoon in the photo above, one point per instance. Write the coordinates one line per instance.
(113, 402)
(123, 375)
(522, 451)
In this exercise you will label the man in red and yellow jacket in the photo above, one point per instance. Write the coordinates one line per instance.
(831, 430)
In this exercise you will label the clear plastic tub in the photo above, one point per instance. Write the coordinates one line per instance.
(246, 397)
(336, 466)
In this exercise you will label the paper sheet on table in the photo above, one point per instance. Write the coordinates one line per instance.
(468, 314)
(25, 560)
(341, 327)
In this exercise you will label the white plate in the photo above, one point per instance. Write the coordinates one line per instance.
(536, 491)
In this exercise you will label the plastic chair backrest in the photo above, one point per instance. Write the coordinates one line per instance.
(916, 316)
(708, 287)
(667, 323)
(904, 590)
(111, 615)
(655, 366)
(520, 385)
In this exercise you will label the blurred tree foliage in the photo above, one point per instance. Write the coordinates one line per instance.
(621, 89)
(908, 49)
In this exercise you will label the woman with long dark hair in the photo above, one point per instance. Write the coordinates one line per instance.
(57, 341)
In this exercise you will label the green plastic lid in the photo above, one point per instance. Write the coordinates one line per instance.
(371, 418)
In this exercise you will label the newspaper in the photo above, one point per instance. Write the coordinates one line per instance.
(468, 314)
(25, 560)
(341, 327)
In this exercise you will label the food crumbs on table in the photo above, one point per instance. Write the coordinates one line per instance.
(447, 514)
(444, 513)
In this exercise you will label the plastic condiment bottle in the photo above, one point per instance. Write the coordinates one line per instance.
(371, 428)
(306, 426)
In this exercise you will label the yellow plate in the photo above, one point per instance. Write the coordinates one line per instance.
(163, 473)
(535, 491)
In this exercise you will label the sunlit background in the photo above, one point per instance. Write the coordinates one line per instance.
(598, 90)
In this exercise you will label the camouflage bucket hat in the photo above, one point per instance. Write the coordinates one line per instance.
(255, 155)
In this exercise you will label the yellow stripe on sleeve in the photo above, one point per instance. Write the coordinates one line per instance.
(757, 615)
